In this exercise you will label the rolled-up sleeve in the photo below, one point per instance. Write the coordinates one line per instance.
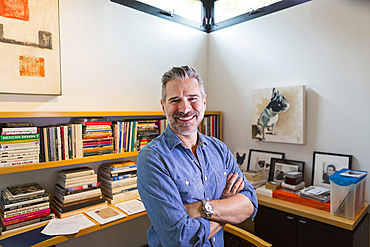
(171, 224)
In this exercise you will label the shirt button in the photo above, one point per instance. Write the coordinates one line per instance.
(214, 239)
(187, 182)
(205, 177)
(225, 173)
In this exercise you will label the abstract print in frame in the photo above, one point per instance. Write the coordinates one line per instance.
(279, 114)
(29, 47)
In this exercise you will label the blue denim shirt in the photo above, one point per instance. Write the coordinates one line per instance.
(169, 176)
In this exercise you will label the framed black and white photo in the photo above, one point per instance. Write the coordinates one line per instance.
(326, 164)
(279, 167)
(261, 160)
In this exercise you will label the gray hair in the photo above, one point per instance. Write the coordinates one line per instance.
(180, 73)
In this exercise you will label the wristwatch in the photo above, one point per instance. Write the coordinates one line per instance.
(208, 208)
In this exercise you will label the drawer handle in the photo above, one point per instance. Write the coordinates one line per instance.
(290, 217)
(302, 221)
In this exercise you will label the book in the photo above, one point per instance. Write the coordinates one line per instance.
(8, 199)
(78, 196)
(18, 137)
(25, 215)
(110, 184)
(63, 209)
(105, 215)
(36, 207)
(78, 189)
(77, 179)
(76, 172)
(18, 163)
(31, 217)
(77, 211)
(123, 197)
(120, 166)
(23, 203)
(24, 190)
(4, 230)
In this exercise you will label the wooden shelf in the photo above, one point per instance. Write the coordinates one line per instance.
(312, 213)
(45, 165)
(62, 238)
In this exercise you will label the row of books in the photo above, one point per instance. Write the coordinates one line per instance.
(19, 144)
(23, 206)
(210, 126)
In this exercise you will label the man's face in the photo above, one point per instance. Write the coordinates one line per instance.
(184, 107)
(329, 170)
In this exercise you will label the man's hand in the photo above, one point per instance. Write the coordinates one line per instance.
(232, 186)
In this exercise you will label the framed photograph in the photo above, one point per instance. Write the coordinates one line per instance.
(29, 47)
(279, 114)
(326, 164)
(279, 167)
(261, 160)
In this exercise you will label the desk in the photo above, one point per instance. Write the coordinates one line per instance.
(284, 223)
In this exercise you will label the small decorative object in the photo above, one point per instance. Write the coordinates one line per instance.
(273, 185)
(279, 114)
(326, 164)
(240, 160)
(29, 47)
(261, 160)
(279, 167)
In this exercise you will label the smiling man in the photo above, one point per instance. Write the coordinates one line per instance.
(190, 183)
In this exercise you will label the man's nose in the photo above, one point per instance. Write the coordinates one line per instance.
(185, 106)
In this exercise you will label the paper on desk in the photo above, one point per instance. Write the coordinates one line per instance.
(66, 226)
(131, 207)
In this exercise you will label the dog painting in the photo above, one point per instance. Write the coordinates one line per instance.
(278, 114)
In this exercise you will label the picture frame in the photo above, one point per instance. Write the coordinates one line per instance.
(281, 166)
(261, 160)
(30, 58)
(325, 164)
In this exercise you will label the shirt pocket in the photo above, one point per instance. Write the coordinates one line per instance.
(190, 188)
(220, 176)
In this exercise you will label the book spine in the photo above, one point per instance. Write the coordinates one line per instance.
(26, 218)
(18, 133)
(19, 141)
(18, 163)
(24, 212)
(97, 123)
(33, 207)
(18, 137)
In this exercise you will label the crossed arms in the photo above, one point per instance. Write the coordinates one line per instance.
(232, 207)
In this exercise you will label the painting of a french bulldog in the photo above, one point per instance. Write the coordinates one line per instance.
(270, 115)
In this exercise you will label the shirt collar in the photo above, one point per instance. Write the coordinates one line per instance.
(172, 140)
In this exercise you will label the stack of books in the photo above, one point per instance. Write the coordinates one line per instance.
(316, 193)
(97, 136)
(23, 206)
(255, 177)
(118, 181)
(146, 131)
(293, 182)
(19, 144)
(61, 142)
(77, 191)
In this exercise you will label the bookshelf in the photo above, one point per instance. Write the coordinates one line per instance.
(45, 118)
(48, 168)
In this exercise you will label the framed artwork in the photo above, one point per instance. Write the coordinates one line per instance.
(29, 47)
(326, 164)
(261, 160)
(279, 114)
(279, 167)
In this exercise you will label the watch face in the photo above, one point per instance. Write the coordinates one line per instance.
(208, 207)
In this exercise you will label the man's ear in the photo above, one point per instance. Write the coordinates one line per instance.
(205, 101)
(163, 108)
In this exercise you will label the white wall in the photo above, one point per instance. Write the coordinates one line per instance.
(113, 58)
(323, 44)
